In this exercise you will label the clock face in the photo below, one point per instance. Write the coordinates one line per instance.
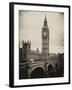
(44, 33)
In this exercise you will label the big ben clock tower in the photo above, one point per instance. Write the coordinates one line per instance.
(45, 41)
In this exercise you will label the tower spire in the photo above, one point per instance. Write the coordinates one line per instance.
(45, 21)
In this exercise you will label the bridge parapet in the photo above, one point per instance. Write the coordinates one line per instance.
(36, 64)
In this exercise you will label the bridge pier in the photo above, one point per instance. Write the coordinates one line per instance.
(29, 73)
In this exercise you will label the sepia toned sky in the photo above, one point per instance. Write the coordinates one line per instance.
(31, 23)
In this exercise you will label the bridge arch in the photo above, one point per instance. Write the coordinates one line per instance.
(38, 73)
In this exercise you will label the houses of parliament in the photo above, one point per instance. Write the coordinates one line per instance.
(36, 64)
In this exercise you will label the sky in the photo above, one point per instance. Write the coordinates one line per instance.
(30, 28)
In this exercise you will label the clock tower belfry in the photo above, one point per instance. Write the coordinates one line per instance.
(45, 41)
